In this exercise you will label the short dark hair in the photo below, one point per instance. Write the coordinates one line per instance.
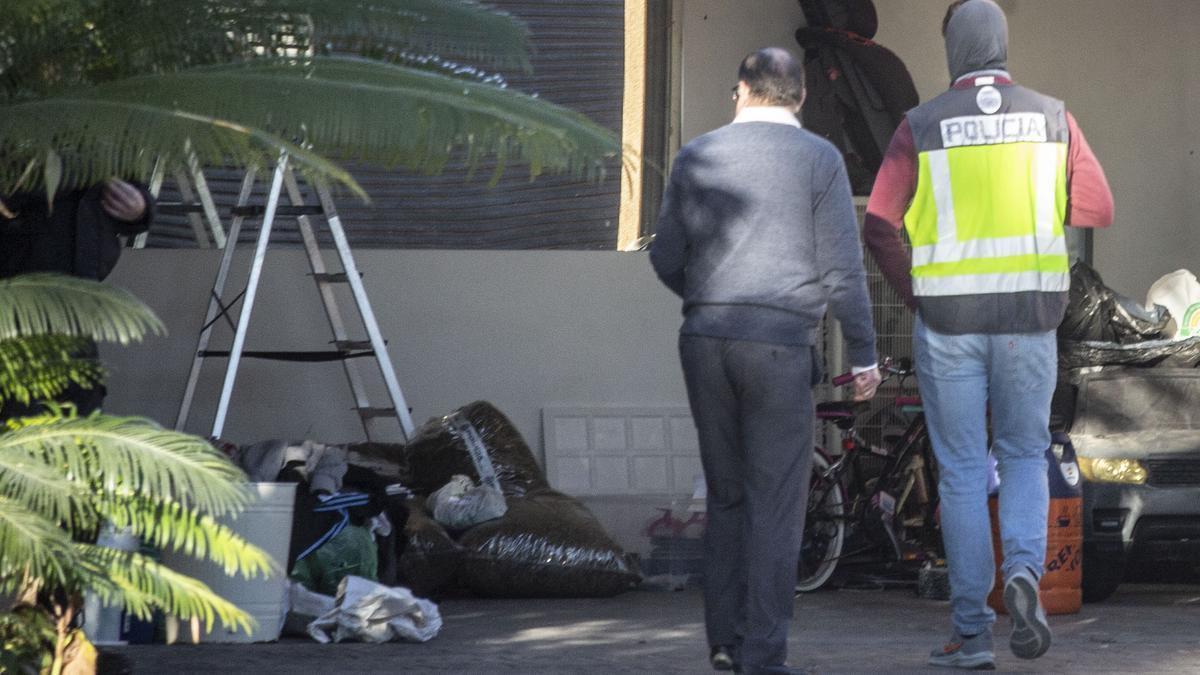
(774, 75)
(950, 12)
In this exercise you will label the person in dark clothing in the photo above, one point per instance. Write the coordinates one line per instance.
(757, 235)
(77, 235)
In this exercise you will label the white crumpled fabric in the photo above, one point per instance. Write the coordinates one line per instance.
(461, 504)
(371, 612)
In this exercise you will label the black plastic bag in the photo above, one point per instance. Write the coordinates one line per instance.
(1096, 313)
(431, 558)
(547, 545)
(438, 451)
(1160, 353)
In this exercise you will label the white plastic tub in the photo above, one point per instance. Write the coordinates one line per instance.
(266, 523)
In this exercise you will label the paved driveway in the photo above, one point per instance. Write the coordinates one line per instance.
(1142, 629)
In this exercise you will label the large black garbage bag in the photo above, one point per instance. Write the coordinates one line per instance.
(547, 545)
(431, 558)
(1096, 313)
(1154, 353)
(439, 450)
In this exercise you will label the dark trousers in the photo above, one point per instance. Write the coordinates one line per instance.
(752, 404)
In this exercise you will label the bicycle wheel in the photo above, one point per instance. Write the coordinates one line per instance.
(824, 527)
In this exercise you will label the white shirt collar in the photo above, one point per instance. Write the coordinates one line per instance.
(767, 113)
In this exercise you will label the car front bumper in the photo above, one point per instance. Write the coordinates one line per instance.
(1145, 522)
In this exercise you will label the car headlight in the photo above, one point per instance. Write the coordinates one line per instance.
(1112, 470)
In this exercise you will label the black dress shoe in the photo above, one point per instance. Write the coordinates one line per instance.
(721, 658)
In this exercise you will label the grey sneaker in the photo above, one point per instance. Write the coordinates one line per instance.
(1031, 634)
(973, 653)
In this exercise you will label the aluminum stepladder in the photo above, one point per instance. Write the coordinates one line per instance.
(345, 349)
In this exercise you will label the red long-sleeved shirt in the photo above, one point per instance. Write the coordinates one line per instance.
(1089, 199)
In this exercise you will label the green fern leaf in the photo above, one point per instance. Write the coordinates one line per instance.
(361, 109)
(169, 526)
(138, 456)
(141, 585)
(34, 304)
(58, 44)
(31, 544)
(117, 138)
(43, 489)
(40, 367)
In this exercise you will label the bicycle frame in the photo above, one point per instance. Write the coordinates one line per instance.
(880, 502)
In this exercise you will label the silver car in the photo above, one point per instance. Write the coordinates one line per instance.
(1137, 436)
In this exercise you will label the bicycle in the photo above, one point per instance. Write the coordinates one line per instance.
(891, 514)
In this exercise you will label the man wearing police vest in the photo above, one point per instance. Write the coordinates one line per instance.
(983, 178)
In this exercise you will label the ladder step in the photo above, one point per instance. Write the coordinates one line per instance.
(331, 277)
(177, 208)
(291, 355)
(350, 345)
(369, 413)
(280, 210)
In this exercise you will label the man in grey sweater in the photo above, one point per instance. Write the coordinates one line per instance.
(757, 234)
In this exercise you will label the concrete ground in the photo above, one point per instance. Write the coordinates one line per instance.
(1144, 628)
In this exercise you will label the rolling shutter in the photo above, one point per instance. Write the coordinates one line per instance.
(577, 63)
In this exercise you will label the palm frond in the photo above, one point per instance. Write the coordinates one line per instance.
(96, 139)
(56, 44)
(31, 544)
(44, 490)
(168, 526)
(138, 456)
(455, 29)
(141, 585)
(36, 304)
(39, 367)
(361, 109)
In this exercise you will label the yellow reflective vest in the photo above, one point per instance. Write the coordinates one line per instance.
(991, 197)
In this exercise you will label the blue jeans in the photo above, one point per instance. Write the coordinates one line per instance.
(961, 377)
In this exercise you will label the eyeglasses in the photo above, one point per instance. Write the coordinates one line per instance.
(735, 93)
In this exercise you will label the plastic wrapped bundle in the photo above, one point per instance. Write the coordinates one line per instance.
(431, 558)
(547, 545)
(1096, 313)
(442, 448)
(1160, 353)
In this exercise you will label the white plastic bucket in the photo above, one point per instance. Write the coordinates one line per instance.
(266, 523)
(101, 622)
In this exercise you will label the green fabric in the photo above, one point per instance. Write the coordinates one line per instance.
(351, 551)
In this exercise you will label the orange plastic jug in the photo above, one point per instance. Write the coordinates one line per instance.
(1060, 588)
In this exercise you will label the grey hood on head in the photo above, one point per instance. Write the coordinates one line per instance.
(976, 38)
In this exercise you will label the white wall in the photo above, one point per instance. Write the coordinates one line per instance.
(521, 329)
(717, 35)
